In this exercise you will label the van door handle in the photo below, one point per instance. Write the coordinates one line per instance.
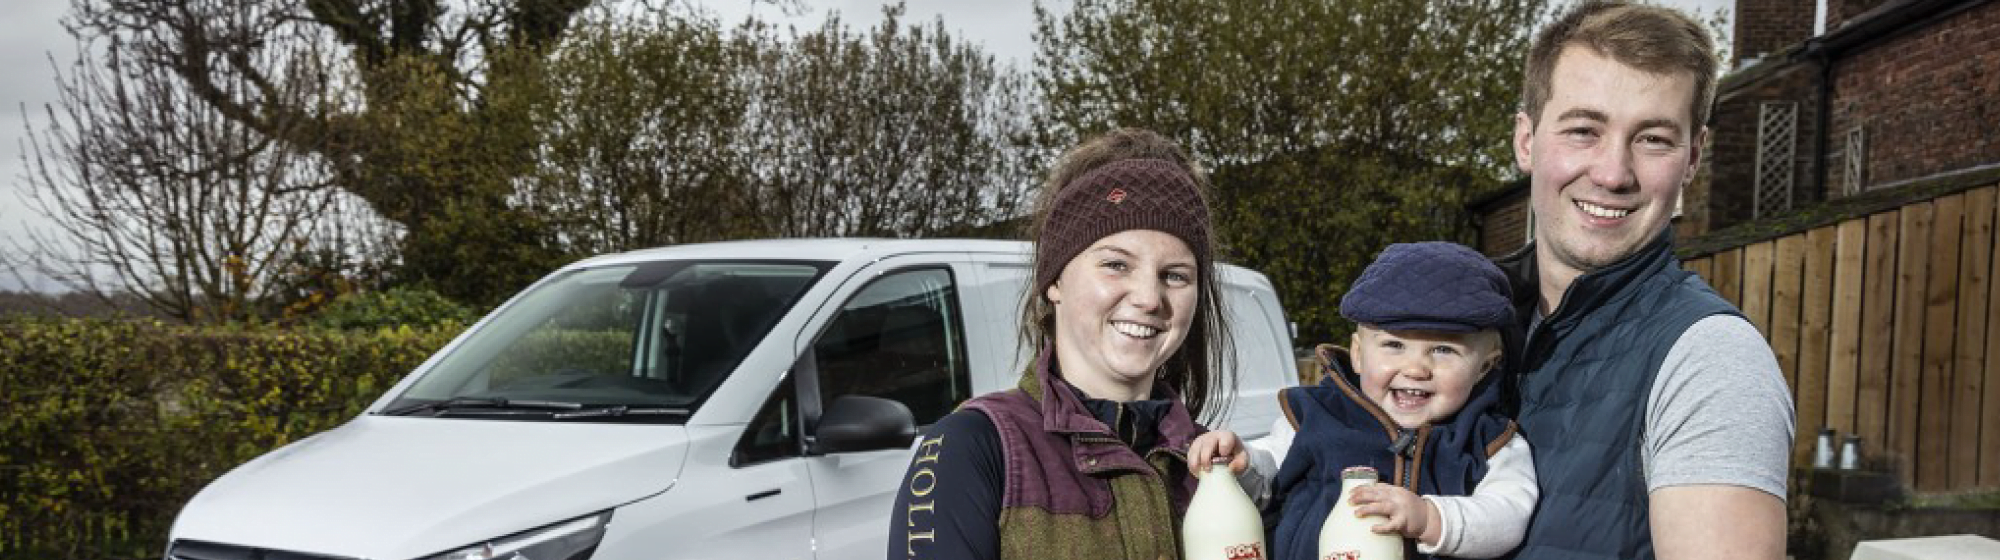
(762, 495)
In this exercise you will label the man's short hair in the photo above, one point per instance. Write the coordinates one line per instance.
(1652, 39)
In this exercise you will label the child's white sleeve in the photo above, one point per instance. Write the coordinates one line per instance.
(1266, 453)
(1492, 520)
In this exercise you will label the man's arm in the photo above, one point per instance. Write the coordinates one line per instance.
(1717, 521)
(1717, 445)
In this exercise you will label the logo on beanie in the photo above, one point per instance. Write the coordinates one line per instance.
(1116, 195)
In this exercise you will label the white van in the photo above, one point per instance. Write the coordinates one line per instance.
(699, 401)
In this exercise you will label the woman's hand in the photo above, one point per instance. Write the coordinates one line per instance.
(1409, 515)
(1218, 443)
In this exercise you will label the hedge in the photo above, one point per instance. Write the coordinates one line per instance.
(108, 427)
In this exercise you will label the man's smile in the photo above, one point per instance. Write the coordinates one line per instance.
(1602, 211)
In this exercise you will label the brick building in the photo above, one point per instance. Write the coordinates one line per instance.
(1829, 102)
(1501, 217)
(1892, 91)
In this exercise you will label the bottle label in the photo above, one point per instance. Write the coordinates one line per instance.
(1245, 551)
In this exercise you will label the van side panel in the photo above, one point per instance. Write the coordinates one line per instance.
(1262, 355)
(998, 287)
(716, 511)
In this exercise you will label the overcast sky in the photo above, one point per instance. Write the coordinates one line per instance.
(31, 33)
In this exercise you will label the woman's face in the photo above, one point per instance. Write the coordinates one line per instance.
(1123, 306)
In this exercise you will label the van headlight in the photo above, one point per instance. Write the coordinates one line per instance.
(575, 539)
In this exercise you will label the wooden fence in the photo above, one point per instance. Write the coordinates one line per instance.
(1887, 327)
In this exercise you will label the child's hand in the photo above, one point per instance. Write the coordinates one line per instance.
(1218, 443)
(1409, 515)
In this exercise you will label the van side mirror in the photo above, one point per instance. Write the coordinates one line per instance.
(862, 423)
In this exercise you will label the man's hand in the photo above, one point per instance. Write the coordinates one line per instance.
(1218, 443)
(1409, 515)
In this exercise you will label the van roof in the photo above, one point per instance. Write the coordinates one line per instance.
(849, 248)
(817, 249)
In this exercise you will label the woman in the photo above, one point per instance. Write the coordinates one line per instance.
(1087, 457)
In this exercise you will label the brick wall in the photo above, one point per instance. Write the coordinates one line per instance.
(1839, 11)
(1928, 101)
(1693, 219)
(1729, 196)
(1504, 226)
(1769, 26)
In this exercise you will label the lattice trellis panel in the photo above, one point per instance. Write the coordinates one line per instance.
(1777, 135)
(1856, 160)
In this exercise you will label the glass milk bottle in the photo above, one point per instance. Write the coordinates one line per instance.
(1346, 537)
(1221, 522)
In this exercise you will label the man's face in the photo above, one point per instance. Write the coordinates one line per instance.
(1608, 155)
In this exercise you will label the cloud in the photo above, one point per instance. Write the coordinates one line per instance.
(29, 35)
(1004, 28)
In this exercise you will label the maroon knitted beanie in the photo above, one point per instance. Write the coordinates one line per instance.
(1153, 194)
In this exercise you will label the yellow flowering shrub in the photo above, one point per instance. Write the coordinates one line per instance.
(108, 427)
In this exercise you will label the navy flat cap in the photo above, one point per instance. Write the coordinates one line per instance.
(1433, 285)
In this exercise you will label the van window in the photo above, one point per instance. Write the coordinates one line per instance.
(640, 342)
(773, 434)
(899, 338)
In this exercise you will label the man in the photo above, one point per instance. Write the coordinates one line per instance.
(1661, 421)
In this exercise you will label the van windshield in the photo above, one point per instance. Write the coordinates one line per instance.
(637, 342)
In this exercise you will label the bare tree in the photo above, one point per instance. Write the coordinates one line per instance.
(671, 129)
(1334, 127)
(432, 121)
(640, 133)
(157, 193)
(898, 131)
(203, 144)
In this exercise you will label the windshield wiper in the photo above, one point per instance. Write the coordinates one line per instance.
(495, 403)
(620, 410)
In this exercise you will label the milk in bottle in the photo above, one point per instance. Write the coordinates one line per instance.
(1221, 522)
(1346, 537)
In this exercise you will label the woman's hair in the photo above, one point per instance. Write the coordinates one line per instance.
(1203, 364)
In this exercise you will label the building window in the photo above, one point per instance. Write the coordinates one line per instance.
(1855, 161)
(1777, 135)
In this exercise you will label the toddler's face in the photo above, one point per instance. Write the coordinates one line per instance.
(1420, 377)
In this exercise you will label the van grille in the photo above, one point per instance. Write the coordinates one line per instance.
(197, 550)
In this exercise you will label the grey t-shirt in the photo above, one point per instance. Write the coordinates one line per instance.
(1719, 411)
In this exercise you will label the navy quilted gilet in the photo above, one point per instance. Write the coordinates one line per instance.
(1338, 428)
(1582, 391)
